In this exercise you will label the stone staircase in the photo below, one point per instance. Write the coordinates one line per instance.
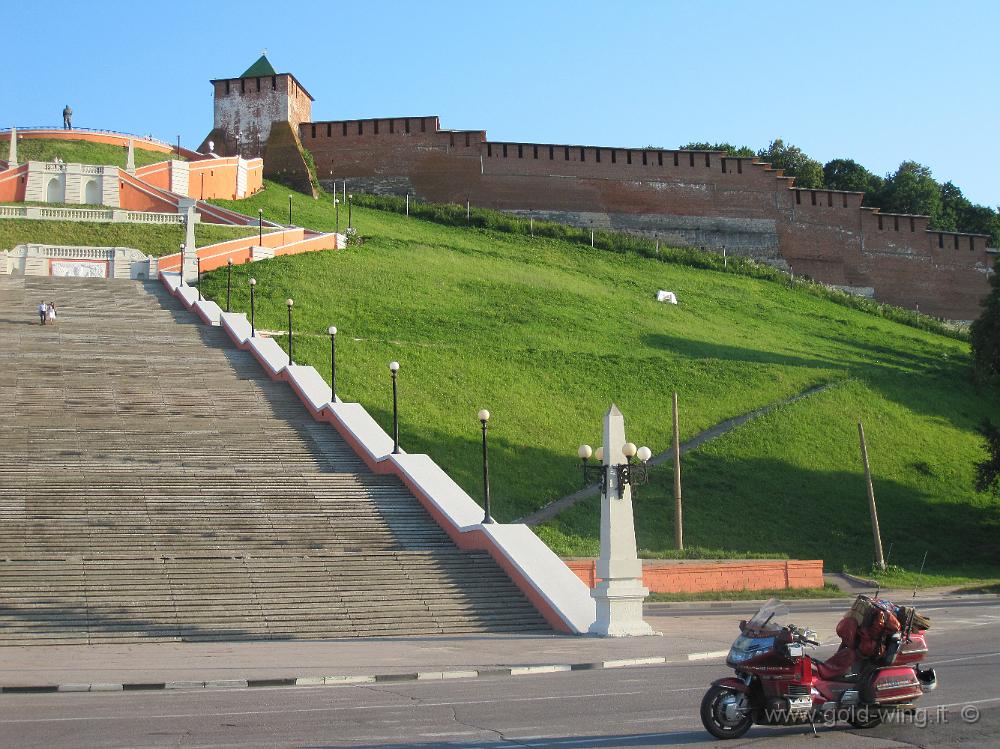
(156, 485)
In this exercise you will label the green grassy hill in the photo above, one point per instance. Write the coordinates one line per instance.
(153, 239)
(81, 152)
(547, 334)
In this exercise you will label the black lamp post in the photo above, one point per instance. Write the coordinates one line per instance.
(229, 281)
(484, 417)
(182, 265)
(197, 265)
(290, 302)
(333, 363)
(336, 206)
(289, 210)
(253, 330)
(350, 205)
(260, 226)
(394, 368)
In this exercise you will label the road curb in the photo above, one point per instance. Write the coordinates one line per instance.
(653, 606)
(341, 680)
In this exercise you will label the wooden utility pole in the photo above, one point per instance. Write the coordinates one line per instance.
(678, 509)
(879, 559)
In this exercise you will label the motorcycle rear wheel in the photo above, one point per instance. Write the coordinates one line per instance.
(713, 715)
(865, 717)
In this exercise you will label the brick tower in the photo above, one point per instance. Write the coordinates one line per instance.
(247, 108)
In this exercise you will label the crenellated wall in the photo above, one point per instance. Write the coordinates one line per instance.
(691, 198)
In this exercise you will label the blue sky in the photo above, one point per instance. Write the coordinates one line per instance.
(877, 82)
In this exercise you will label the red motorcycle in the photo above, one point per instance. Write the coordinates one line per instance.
(876, 670)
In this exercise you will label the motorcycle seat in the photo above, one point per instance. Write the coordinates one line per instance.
(837, 667)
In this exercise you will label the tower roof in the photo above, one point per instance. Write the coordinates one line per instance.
(259, 69)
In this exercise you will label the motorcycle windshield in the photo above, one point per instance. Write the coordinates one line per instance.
(745, 648)
(769, 617)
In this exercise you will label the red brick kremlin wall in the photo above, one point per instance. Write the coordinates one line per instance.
(691, 198)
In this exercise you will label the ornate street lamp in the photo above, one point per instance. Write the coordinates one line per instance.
(229, 281)
(633, 474)
(289, 210)
(260, 227)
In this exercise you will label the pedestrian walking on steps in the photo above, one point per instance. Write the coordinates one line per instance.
(43, 312)
(67, 118)
(51, 314)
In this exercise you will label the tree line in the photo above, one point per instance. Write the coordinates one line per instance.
(910, 189)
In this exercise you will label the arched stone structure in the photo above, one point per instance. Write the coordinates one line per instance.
(54, 192)
(92, 193)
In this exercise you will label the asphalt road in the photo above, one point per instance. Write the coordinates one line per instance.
(649, 706)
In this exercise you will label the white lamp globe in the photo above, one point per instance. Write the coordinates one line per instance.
(394, 366)
(585, 452)
(289, 301)
(644, 453)
(484, 415)
(332, 330)
(253, 281)
(599, 453)
(630, 449)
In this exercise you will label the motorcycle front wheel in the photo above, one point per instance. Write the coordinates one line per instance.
(718, 713)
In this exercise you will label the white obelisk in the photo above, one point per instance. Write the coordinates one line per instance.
(12, 154)
(619, 593)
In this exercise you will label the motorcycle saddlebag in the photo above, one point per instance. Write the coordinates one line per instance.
(892, 685)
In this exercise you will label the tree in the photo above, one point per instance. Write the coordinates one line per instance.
(912, 189)
(807, 172)
(847, 174)
(742, 151)
(953, 207)
(988, 471)
(985, 333)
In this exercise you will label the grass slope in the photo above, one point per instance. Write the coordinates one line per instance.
(546, 334)
(153, 239)
(81, 152)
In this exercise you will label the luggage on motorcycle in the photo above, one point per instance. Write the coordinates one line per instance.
(877, 623)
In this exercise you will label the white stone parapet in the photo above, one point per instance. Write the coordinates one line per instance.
(57, 182)
(112, 215)
(69, 260)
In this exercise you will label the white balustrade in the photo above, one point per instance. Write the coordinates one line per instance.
(91, 214)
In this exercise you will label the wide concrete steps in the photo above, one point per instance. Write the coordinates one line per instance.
(156, 485)
(138, 599)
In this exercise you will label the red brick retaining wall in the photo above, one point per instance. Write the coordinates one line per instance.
(705, 577)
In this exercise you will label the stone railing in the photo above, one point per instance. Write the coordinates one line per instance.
(68, 252)
(72, 260)
(114, 215)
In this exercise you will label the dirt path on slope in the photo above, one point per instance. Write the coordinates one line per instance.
(554, 508)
